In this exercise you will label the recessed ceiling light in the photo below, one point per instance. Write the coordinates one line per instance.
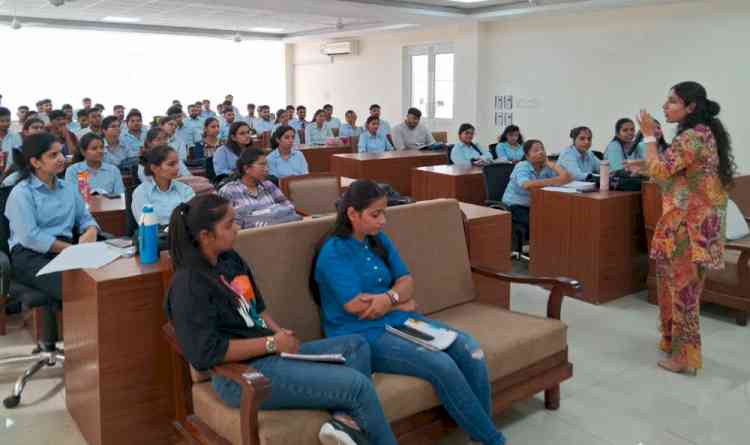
(268, 30)
(117, 19)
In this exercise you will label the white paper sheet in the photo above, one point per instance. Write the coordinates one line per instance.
(560, 189)
(81, 256)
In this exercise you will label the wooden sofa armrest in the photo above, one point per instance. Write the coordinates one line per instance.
(560, 286)
(255, 388)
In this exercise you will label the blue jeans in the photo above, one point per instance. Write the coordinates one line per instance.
(458, 375)
(340, 389)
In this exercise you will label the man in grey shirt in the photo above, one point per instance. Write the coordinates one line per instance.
(410, 134)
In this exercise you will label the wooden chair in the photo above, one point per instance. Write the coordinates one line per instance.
(312, 194)
(730, 287)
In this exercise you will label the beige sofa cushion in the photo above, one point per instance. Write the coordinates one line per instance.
(511, 341)
(429, 236)
(315, 195)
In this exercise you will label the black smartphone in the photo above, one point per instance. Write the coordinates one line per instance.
(414, 333)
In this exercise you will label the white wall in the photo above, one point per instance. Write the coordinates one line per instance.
(375, 74)
(136, 70)
(591, 69)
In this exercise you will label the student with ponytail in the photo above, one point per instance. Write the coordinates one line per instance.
(466, 152)
(42, 211)
(220, 316)
(362, 285)
(694, 174)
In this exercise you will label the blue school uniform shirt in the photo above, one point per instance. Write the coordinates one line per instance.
(162, 202)
(180, 145)
(334, 122)
(116, 155)
(262, 125)
(131, 141)
(38, 214)
(296, 165)
(296, 133)
(193, 129)
(206, 114)
(515, 194)
(384, 128)
(462, 154)
(74, 127)
(10, 141)
(614, 154)
(577, 164)
(106, 179)
(317, 136)
(298, 124)
(224, 129)
(348, 131)
(225, 161)
(505, 151)
(369, 143)
(346, 268)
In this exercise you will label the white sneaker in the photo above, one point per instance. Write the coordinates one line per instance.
(330, 435)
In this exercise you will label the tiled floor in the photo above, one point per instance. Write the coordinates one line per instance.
(617, 395)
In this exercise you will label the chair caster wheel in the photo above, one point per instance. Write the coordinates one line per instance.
(11, 402)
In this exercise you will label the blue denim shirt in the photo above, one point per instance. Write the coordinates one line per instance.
(346, 268)
(317, 136)
(462, 154)
(163, 202)
(105, 179)
(38, 214)
(577, 164)
(296, 165)
(614, 154)
(373, 144)
(505, 151)
(515, 194)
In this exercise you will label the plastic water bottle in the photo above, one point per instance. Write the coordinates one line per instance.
(148, 236)
(604, 176)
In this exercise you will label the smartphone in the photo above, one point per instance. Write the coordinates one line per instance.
(414, 333)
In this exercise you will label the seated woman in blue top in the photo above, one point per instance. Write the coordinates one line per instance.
(510, 145)
(283, 118)
(205, 148)
(220, 316)
(318, 130)
(104, 178)
(466, 152)
(661, 143)
(42, 211)
(285, 160)
(535, 172)
(578, 160)
(160, 190)
(154, 138)
(622, 147)
(225, 158)
(362, 286)
(372, 140)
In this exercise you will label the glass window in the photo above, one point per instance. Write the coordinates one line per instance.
(420, 74)
(444, 86)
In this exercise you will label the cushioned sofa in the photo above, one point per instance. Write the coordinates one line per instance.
(525, 354)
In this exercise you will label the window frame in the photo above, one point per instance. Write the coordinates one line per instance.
(431, 51)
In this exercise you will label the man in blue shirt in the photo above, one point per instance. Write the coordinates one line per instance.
(334, 123)
(194, 124)
(350, 128)
(264, 123)
(133, 135)
(207, 112)
(9, 139)
(250, 118)
(300, 123)
(228, 120)
(385, 126)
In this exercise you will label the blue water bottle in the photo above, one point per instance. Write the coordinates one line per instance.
(148, 236)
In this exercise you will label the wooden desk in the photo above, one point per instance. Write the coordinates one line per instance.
(596, 238)
(391, 167)
(109, 214)
(489, 246)
(118, 371)
(463, 183)
(319, 157)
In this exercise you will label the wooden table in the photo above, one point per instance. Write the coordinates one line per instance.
(464, 183)
(118, 371)
(489, 246)
(318, 157)
(109, 214)
(596, 238)
(391, 167)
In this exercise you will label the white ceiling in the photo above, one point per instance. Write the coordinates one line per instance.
(294, 18)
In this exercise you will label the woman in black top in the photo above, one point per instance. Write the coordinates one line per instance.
(219, 316)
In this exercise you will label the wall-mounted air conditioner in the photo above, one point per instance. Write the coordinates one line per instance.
(339, 48)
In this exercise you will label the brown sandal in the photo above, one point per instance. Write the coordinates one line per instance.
(671, 366)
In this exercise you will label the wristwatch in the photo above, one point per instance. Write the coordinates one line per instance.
(394, 297)
(270, 344)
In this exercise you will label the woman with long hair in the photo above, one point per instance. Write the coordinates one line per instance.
(285, 160)
(103, 178)
(510, 144)
(239, 138)
(622, 147)
(694, 175)
(318, 130)
(220, 317)
(362, 285)
(577, 159)
(467, 153)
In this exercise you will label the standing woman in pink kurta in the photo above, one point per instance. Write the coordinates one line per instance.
(694, 175)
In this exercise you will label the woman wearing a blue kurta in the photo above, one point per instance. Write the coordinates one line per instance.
(363, 285)
(623, 147)
(466, 152)
(372, 140)
(510, 146)
(42, 211)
